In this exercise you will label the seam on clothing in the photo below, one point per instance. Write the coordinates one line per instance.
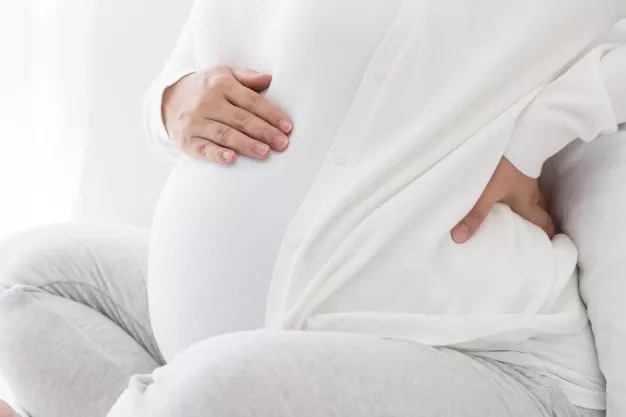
(99, 291)
(523, 381)
(94, 258)
(77, 329)
(136, 322)
(159, 359)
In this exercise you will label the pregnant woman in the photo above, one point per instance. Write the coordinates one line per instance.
(331, 147)
(330, 200)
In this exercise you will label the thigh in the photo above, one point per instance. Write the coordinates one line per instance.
(266, 374)
(100, 267)
(62, 358)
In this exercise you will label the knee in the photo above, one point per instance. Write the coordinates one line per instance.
(34, 257)
(235, 375)
(54, 253)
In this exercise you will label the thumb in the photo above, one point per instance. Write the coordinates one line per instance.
(467, 227)
(252, 79)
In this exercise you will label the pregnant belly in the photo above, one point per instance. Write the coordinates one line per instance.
(216, 235)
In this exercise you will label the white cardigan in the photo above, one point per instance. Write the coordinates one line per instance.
(449, 91)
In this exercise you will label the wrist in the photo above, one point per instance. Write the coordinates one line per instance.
(169, 101)
(533, 142)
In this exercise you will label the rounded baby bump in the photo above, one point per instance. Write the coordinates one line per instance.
(216, 234)
(510, 267)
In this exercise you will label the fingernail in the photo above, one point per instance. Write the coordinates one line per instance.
(261, 149)
(282, 141)
(285, 126)
(461, 234)
(228, 156)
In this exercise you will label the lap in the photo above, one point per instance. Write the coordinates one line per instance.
(306, 374)
(101, 267)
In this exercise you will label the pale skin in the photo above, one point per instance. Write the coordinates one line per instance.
(511, 187)
(220, 113)
(6, 410)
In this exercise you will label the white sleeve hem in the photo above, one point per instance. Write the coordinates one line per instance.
(154, 124)
(533, 143)
(576, 105)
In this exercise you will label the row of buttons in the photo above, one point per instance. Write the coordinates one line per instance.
(381, 71)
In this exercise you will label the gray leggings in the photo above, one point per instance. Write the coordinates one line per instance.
(74, 329)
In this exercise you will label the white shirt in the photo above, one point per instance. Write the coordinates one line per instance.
(427, 104)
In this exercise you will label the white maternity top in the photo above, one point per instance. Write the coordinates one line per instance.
(400, 107)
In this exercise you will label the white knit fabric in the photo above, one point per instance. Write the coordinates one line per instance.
(436, 106)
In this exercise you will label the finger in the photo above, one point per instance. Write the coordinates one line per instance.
(204, 149)
(468, 227)
(254, 80)
(538, 216)
(252, 126)
(230, 138)
(260, 106)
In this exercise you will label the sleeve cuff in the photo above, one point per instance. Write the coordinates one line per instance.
(154, 124)
(534, 142)
(574, 106)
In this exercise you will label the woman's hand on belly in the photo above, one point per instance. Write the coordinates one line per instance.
(219, 113)
(509, 186)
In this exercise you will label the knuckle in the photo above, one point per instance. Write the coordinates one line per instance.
(263, 135)
(223, 135)
(205, 151)
(218, 82)
(240, 121)
(255, 100)
(477, 214)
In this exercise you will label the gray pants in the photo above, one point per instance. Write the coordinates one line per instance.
(74, 329)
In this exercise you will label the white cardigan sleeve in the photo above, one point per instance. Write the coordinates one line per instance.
(181, 63)
(586, 101)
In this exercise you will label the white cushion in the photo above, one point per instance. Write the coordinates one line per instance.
(587, 183)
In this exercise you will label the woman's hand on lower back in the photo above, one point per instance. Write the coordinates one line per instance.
(219, 113)
(509, 186)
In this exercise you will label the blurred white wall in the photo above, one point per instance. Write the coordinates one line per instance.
(43, 116)
(72, 89)
(129, 42)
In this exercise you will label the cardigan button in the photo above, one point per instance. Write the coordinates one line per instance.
(341, 160)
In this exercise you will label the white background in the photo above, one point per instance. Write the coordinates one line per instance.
(72, 78)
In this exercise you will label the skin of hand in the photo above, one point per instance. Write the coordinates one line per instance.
(6, 410)
(509, 186)
(219, 113)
